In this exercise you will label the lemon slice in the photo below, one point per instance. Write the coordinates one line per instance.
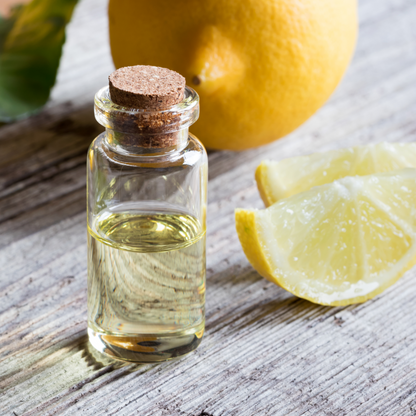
(339, 243)
(277, 180)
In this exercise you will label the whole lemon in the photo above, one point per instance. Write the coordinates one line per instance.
(261, 67)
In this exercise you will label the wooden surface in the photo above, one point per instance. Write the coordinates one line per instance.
(265, 352)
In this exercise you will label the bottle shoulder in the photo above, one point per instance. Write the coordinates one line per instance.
(191, 155)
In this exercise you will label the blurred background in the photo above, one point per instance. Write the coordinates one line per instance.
(261, 69)
(86, 59)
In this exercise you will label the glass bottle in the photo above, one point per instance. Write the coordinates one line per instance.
(146, 200)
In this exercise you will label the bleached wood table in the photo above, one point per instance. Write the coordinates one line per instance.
(265, 351)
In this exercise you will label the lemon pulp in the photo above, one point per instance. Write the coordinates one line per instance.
(277, 180)
(339, 243)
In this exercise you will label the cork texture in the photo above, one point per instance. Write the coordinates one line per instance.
(151, 89)
(146, 87)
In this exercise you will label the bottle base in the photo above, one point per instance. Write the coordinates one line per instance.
(146, 348)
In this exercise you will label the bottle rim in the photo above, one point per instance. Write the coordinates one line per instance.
(137, 121)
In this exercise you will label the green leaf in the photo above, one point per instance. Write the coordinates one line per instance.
(7, 24)
(31, 41)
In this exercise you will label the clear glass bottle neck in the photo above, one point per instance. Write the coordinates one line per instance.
(145, 145)
(131, 131)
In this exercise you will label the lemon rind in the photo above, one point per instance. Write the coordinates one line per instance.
(248, 235)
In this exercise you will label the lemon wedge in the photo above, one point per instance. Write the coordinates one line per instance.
(277, 180)
(339, 243)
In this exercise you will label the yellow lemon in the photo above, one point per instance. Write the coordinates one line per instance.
(339, 243)
(277, 180)
(261, 67)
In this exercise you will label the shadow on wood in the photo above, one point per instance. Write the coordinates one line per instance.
(261, 303)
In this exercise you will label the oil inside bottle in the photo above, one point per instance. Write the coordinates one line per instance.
(146, 283)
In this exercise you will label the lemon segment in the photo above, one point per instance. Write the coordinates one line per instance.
(339, 243)
(277, 180)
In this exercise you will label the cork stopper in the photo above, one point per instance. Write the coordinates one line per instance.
(139, 109)
(146, 87)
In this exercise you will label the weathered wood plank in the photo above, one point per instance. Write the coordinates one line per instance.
(265, 352)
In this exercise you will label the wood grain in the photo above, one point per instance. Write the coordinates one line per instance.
(265, 351)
